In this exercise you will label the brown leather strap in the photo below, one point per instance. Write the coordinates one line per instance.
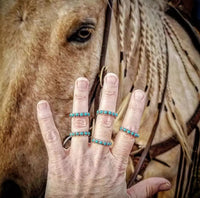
(162, 147)
(193, 171)
(182, 171)
(96, 88)
(179, 175)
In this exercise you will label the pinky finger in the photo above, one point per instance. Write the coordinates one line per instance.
(124, 141)
(49, 132)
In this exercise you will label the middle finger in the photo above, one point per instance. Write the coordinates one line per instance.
(80, 124)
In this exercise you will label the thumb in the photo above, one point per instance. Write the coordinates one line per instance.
(149, 187)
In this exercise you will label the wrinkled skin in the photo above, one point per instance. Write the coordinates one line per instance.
(39, 61)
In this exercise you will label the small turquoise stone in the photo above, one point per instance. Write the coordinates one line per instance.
(70, 134)
(136, 135)
(85, 133)
(96, 141)
(105, 144)
(88, 114)
(93, 140)
(116, 114)
(101, 112)
(81, 114)
(100, 142)
(77, 114)
(77, 133)
(110, 113)
(89, 133)
(128, 131)
(105, 112)
(113, 113)
(97, 111)
(81, 133)
(132, 133)
(121, 128)
(85, 114)
(124, 130)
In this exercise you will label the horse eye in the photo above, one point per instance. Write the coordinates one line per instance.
(82, 35)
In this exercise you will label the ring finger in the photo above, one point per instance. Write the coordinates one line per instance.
(105, 119)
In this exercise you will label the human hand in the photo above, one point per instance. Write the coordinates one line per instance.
(90, 169)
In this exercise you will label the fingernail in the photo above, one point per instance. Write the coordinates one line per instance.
(111, 79)
(42, 105)
(165, 186)
(138, 95)
(82, 84)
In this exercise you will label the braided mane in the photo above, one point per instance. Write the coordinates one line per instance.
(143, 28)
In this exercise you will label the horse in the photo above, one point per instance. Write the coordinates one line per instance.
(45, 45)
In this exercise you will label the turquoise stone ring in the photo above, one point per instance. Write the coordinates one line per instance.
(132, 133)
(81, 133)
(82, 114)
(105, 112)
(101, 142)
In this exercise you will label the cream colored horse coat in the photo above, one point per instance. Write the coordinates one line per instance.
(40, 59)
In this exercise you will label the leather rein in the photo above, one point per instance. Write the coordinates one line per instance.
(96, 87)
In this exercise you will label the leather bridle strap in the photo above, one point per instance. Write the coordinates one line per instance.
(96, 87)
(162, 147)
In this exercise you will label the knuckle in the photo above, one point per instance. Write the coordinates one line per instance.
(45, 119)
(106, 121)
(80, 97)
(136, 107)
(50, 135)
(46, 123)
(110, 93)
(149, 191)
(44, 116)
(121, 164)
(80, 122)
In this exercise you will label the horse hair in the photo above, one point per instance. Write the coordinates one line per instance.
(149, 26)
